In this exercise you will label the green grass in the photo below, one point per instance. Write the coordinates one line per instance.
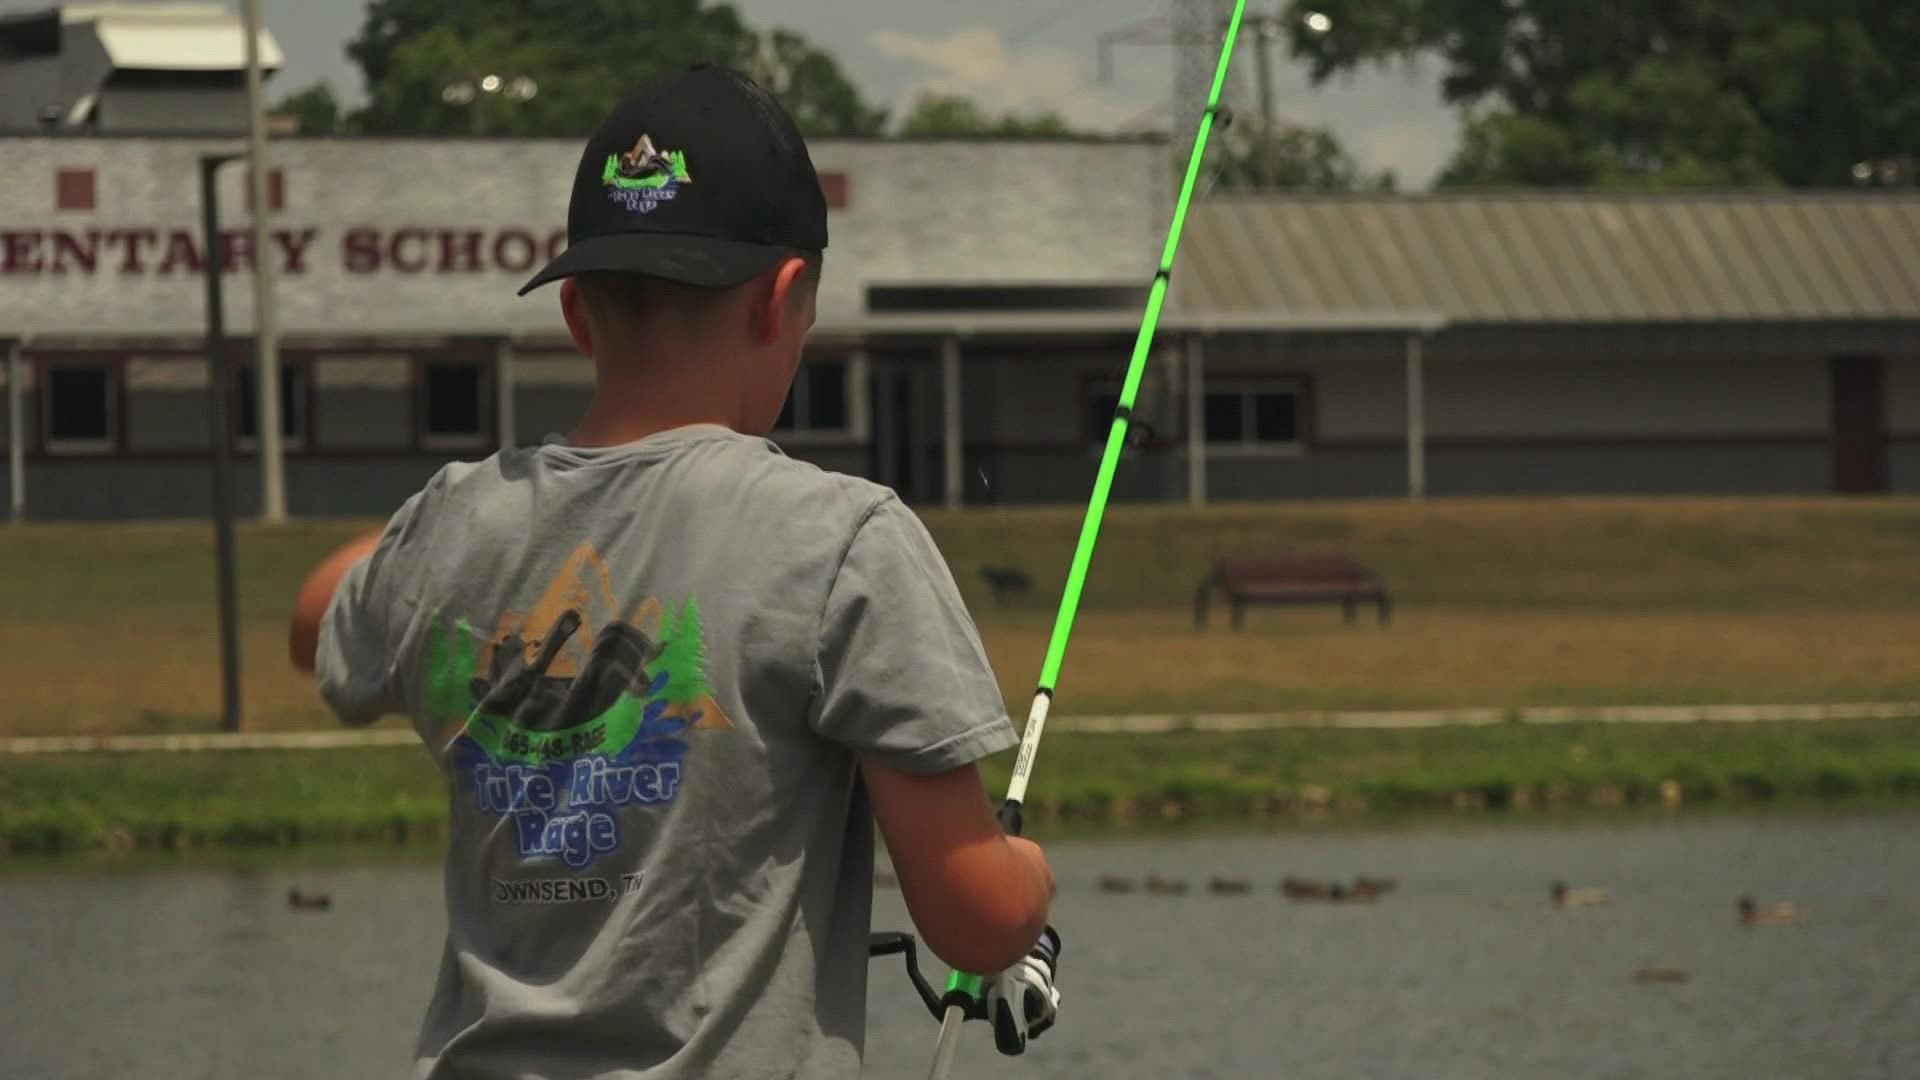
(1504, 766)
(227, 798)
(1501, 603)
(69, 803)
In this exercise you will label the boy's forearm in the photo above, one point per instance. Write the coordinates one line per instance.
(316, 594)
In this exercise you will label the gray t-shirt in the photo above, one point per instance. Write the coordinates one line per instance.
(646, 672)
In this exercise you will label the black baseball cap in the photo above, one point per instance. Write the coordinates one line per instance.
(700, 178)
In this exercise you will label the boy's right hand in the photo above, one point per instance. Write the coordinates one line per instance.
(1032, 853)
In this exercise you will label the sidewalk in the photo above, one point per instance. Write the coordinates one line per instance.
(1137, 724)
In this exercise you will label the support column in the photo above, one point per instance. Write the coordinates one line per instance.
(859, 396)
(1196, 421)
(16, 435)
(503, 414)
(950, 412)
(1416, 418)
(886, 427)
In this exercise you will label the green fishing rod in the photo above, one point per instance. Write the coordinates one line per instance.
(962, 999)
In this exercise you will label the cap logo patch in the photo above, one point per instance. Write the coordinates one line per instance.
(644, 177)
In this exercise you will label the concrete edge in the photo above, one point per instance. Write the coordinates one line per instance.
(1079, 725)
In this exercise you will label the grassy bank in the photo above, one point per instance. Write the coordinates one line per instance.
(1500, 604)
(138, 801)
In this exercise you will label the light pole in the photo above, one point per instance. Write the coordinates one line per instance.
(220, 432)
(1896, 171)
(472, 91)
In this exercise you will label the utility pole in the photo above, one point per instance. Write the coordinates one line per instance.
(1266, 34)
(273, 487)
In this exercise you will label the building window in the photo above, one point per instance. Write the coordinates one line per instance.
(818, 400)
(1100, 409)
(78, 409)
(73, 189)
(454, 405)
(276, 191)
(834, 185)
(246, 405)
(1255, 412)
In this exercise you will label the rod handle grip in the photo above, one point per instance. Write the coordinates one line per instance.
(1011, 820)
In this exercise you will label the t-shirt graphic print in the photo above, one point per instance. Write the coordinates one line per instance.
(565, 729)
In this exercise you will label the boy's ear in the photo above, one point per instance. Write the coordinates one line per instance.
(573, 307)
(781, 301)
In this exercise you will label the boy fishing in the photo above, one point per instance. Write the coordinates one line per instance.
(674, 678)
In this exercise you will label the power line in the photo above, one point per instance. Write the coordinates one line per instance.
(1044, 21)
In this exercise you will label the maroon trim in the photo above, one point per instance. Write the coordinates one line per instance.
(148, 457)
(191, 346)
(1588, 442)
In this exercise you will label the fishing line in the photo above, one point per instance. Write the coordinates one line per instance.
(962, 999)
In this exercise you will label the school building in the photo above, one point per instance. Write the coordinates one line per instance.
(980, 304)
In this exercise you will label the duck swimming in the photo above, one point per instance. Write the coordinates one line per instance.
(1166, 886)
(1564, 897)
(1778, 914)
(303, 901)
(1294, 888)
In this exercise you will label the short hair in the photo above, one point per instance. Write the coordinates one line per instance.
(636, 294)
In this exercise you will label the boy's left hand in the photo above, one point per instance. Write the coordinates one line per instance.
(316, 594)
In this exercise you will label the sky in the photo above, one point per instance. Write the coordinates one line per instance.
(1008, 54)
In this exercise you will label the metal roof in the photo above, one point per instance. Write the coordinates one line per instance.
(174, 37)
(160, 36)
(1557, 257)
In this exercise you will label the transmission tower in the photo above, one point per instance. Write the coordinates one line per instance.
(1195, 29)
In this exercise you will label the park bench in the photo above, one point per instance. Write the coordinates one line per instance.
(1293, 579)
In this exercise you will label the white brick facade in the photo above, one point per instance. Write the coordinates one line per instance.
(445, 230)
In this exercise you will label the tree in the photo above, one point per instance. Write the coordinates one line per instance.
(1653, 93)
(951, 114)
(581, 54)
(1247, 157)
(314, 110)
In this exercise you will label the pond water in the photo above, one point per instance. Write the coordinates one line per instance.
(1465, 970)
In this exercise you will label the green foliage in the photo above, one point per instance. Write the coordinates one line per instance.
(1631, 93)
(951, 114)
(314, 110)
(582, 54)
(1248, 157)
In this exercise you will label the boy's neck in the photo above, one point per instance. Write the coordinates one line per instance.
(633, 401)
(606, 425)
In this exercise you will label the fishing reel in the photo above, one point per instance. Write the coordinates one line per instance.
(1020, 1004)
(888, 943)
